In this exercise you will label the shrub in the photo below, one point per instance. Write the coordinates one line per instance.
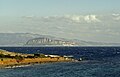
(42, 56)
(18, 57)
(39, 55)
(2, 56)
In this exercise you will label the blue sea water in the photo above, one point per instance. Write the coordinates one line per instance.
(98, 62)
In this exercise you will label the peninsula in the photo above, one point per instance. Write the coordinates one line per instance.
(10, 59)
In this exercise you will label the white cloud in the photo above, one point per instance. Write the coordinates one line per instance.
(69, 18)
(91, 18)
(114, 14)
(83, 18)
(74, 17)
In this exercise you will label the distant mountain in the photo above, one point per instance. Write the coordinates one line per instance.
(29, 39)
(50, 42)
(90, 43)
(17, 39)
(63, 42)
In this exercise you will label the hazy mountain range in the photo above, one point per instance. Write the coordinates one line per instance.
(15, 38)
(23, 39)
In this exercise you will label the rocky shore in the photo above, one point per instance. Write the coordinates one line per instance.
(14, 62)
(8, 59)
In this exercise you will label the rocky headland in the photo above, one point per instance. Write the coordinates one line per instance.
(10, 59)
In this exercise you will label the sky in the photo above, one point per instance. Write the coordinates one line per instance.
(55, 7)
(89, 20)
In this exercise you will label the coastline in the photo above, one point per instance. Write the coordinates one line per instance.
(11, 59)
(10, 63)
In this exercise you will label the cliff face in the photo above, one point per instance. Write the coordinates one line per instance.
(48, 41)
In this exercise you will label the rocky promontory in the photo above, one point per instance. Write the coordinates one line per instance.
(13, 59)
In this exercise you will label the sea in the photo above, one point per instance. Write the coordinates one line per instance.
(97, 62)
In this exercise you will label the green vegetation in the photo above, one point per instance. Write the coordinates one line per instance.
(6, 56)
(2, 56)
(39, 56)
(13, 57)
(19, 57)
(42, 56)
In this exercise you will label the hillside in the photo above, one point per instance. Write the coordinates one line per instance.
(17, 39)
(29, 39)
(7, 53)
(49, 41)
(12, 59)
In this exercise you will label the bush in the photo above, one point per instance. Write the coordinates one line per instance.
(42, 56)
(39, 55)
(2, 56)
(30, 57)
(18, 57)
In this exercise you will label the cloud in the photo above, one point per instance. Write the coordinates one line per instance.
(83, 18)
(74, 17)
(91, 18)
(114, 14)
(67, 18)
(98, 27)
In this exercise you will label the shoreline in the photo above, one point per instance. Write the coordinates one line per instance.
(11, 63)
(11, 59)
(25, 65)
